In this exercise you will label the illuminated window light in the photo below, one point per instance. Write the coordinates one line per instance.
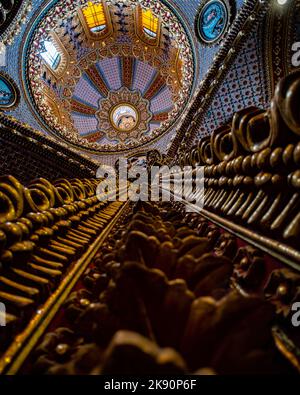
(150, 23)
(95, 17)
(51, 56)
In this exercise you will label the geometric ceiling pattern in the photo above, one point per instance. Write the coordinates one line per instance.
(244, 86)
(116, 73)
(108, 76)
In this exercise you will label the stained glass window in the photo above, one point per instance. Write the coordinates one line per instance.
(95, 17)
(150, 23)
(51, 56)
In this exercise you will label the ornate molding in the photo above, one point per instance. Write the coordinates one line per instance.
(277, 43)
(48, 144)
(126, 98)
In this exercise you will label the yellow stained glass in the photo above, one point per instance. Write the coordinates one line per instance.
(150, 23)
(95, 16)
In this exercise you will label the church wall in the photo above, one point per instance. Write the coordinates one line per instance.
(265, 56)
(245, 85)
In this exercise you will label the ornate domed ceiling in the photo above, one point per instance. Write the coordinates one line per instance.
(107, 76)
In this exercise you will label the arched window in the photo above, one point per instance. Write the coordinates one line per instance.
(51, 55)
(55, 58)
(150, 23)
(95, 17)
(148, 26)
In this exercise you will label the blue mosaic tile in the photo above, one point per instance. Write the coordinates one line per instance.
(243, 86)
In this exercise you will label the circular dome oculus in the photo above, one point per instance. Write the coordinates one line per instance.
(212, 21)
(124, 117)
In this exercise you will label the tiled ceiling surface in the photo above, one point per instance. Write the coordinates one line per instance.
(110, 70)
(244, 86)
